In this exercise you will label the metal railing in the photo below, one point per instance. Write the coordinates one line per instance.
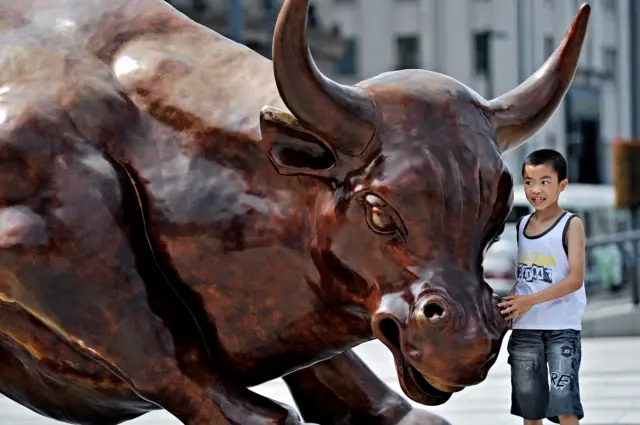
(619, 239)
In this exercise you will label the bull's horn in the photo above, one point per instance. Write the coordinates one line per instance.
(520, 113)
(343, 116)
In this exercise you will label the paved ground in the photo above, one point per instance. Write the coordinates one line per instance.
(610, 385)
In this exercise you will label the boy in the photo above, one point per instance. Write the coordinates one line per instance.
(549, 300)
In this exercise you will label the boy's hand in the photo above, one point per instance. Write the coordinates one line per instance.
(516, 304)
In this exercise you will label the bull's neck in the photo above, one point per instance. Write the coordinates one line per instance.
(274, 217)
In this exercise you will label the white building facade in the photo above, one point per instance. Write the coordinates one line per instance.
(492, 46)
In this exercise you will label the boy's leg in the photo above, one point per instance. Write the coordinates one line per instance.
(529, 384)
(564, 354)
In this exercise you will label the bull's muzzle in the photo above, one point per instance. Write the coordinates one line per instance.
(441, 343)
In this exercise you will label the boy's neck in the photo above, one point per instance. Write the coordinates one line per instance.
(549, 213)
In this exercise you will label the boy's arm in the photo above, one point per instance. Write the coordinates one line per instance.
(576, 253)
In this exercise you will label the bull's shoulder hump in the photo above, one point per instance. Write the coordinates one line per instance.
(216, 84)
(160, 58)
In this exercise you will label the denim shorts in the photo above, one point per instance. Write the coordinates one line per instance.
(544, 373)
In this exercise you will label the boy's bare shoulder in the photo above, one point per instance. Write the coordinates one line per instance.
(575, 230)
(575, 222)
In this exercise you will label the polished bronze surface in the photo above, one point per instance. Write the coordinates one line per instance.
(181, 219)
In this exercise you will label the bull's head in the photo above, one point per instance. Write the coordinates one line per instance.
(419, 192)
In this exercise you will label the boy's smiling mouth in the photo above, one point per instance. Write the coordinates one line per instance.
(538, 200)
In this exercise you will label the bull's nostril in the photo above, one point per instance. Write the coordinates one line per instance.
(433, 311)
(390, 331)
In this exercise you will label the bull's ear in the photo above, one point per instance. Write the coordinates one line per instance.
(292, 149)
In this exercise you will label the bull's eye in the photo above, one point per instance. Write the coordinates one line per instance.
(379, 220)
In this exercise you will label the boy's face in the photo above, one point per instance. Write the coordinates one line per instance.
(541, 186)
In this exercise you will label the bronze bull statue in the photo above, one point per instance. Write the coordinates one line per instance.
(168, 241)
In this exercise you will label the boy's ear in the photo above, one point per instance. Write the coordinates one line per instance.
(563, 184)
(292, 149)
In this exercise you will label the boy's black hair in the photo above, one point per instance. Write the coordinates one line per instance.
(549, 157)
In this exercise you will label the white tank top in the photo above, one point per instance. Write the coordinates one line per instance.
(543, 262)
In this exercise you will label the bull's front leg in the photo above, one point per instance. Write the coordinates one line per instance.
(84, 264)
(343, 390)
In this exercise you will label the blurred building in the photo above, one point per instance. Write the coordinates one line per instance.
(251, 23)
(634, 59)
(490, 45)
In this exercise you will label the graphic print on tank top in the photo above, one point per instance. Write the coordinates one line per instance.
(536, 266)
(542, 262)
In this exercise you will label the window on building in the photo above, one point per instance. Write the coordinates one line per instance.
(348, 64)
(610, 62)
(407, 52)
(551, 141)
(481, 52)
(312, 16)
(199, 6)
(610, 5)
(549, 46)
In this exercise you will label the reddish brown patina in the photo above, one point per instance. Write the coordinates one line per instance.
(164, 243)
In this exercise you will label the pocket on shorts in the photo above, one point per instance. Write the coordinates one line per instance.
(522, 368)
